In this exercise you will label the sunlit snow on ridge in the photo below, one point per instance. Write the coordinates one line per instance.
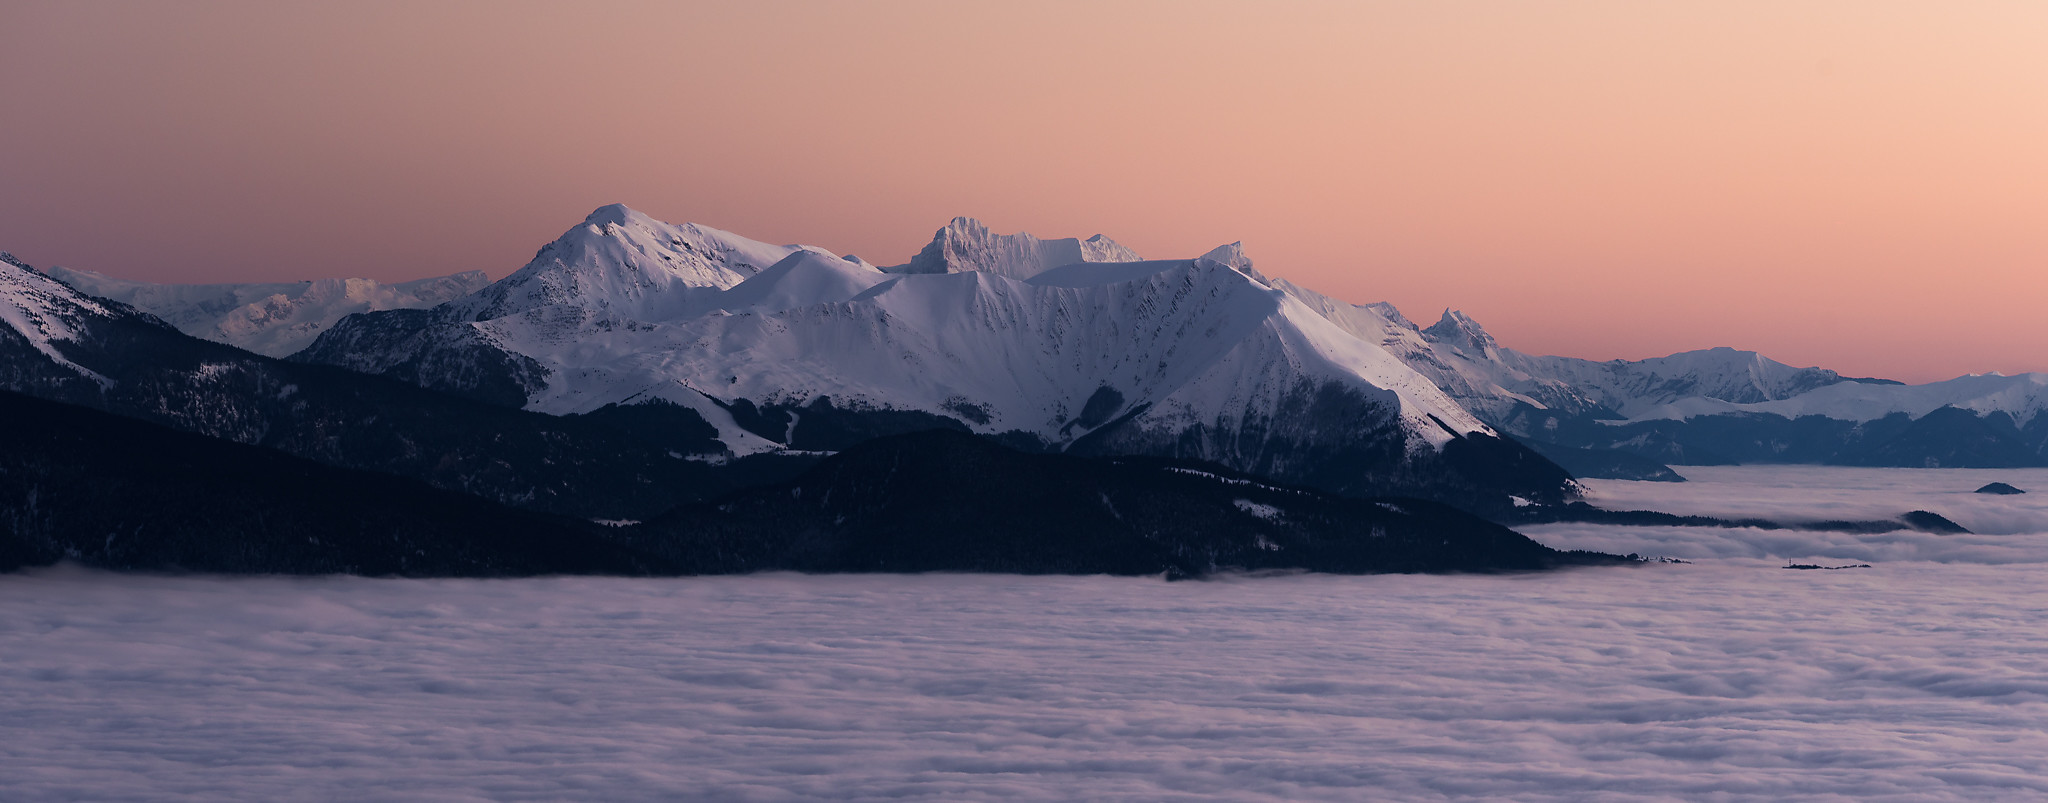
(1729, 678)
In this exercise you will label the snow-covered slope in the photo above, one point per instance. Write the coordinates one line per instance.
(1061, 344)
(1490, 386)
(622, 265)
(272, 319)
(40, 314)
(1191, 338)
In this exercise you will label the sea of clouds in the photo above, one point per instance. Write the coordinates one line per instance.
(1923, 677)
(2003, 529)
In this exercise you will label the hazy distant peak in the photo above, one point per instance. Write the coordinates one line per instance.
(1726, 357)
(271, 318)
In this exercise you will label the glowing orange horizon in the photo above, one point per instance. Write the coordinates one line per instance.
(1855, 185)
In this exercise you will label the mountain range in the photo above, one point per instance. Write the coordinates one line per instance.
(1722, 405)
(792, 347)
(639, 370)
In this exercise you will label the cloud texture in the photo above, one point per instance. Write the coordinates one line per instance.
(1910, 680)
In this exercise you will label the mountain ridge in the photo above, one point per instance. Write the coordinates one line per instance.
(1722, 404)
(1203, 358)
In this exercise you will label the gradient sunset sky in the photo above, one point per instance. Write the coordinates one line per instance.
(1857, 185)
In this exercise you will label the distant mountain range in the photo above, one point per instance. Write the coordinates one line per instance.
(1722, 405)
(274, 319)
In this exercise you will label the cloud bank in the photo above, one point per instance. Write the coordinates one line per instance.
(1815, 493)
(2004, 529)
(1911, 680)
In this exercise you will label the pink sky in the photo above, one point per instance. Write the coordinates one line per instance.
(1857, 185)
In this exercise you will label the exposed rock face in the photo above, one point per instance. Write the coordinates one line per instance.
(942, 501)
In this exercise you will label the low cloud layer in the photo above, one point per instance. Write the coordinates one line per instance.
(2004, 529)
(1910, 680)
(1816, 493)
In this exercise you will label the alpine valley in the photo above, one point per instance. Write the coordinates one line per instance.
(774, 406)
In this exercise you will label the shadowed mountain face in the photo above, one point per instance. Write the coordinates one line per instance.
(613, 462)
(77, 484)
(82, 485)
(943, 500)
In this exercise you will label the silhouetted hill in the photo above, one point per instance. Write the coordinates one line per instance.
(117, 493)
(943, 500)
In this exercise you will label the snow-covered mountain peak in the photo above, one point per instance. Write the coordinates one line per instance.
(618, 215)
(1100, 248)
(1458, 330)
(1721, 374)
(622, 263)
(802, 279)
(1232, 255)
(965, 244)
